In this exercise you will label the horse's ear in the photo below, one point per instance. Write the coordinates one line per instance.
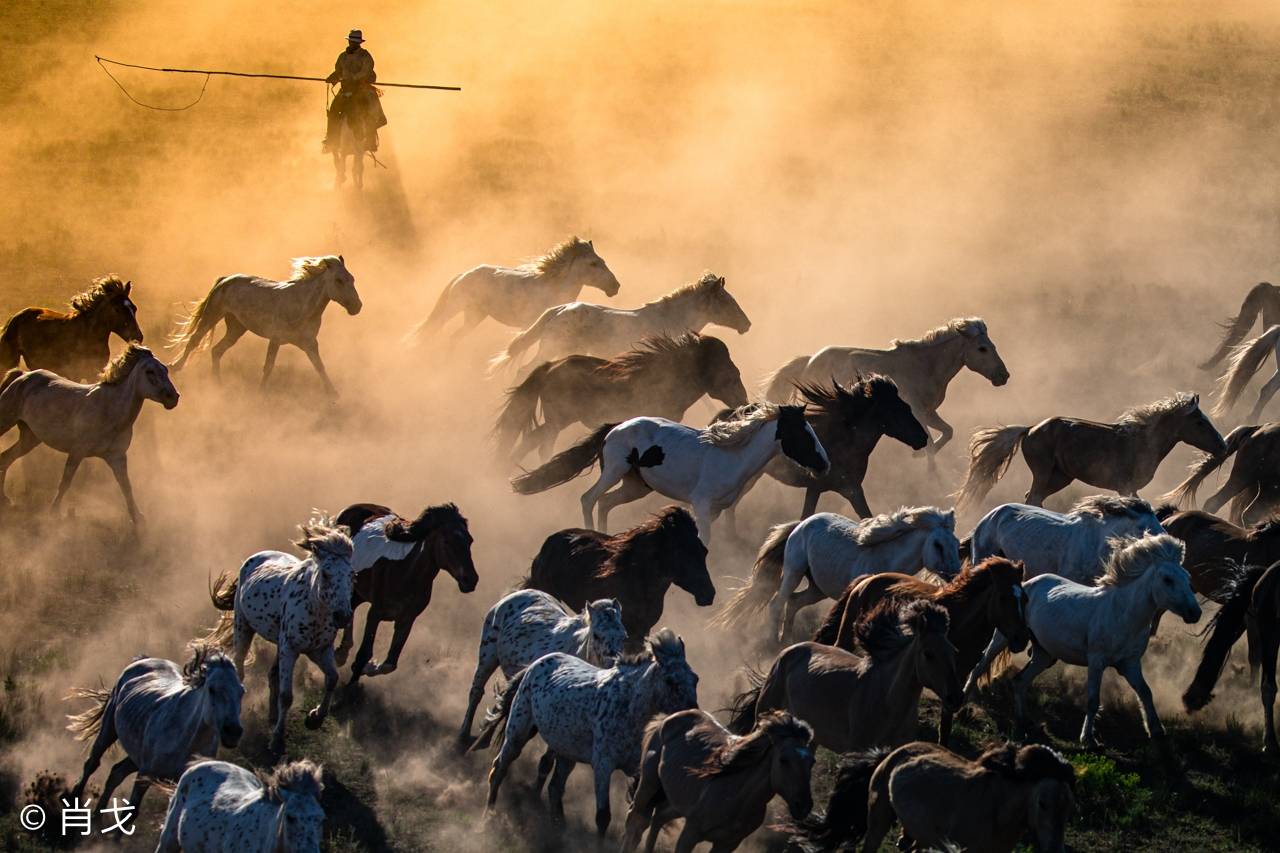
(128, 285)
(591, 243)
(1022, 569)
(342, 260)
(720, 282)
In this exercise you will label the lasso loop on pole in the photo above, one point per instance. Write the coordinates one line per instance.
(127, 94)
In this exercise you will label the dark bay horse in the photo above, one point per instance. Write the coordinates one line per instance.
(662, 376)
(1122, 456)
(1263, 298)
(982, 599)
(636, 567)
(1253, 486)
(74, 345)
(1215, 549)
(399, 590)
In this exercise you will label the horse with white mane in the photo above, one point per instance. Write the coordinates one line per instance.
(922, 369)
(219, 807)
(831, 551)
(1108, 625)
(283, 312)
(516, 296)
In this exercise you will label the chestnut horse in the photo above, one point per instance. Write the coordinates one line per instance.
(75, 345)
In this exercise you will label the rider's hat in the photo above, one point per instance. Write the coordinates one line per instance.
(355, 36)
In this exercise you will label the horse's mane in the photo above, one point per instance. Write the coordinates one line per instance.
(119, 368)
(651, 351)
(429, 521)
(1180, 403)
(740, 426)
(558, 256)
(974, 579)
(704, 288)
(885, 528)
(203, 656)
(297, 777)
(670, 521)
(968, 327)
(890, 627)
(1101, 506)
(101, 289)
(830, 399)
(1028, 763)
(1131, 557)
(749, 750)
(305, 269)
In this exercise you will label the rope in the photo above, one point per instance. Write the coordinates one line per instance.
(102, 59)
(151, 106)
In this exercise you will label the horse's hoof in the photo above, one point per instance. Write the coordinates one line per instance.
(340, 655)
(314, 719)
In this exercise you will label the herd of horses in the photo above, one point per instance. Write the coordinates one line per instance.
(915, 605)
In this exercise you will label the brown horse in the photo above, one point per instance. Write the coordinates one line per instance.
(1122, 456)
(1263, 298)
(636, 567)
(856, 701)
(1216, 548)
(1254, 484)
(981, 600)
(661, 377)
(74, 345)
(399, 590)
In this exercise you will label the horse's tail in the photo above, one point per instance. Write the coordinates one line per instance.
(440, 314)
(1235, 328)
(10, 345)
(87, 724)
(565, 465)
(521, 342)
(520, 413)
(1184, 494)
(192, 331)
(766, 578)
(1224, 629)
(845, 818)
(1244, 362)
(990, 452)
(223, 595)
(779, 386)
(742, 709)
(495, 718)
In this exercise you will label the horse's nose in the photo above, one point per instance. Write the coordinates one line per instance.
(231, 734)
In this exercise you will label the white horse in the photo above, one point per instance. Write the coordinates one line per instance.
(832, 551)
(516, 296)
(589, 715)
(162, 714)
(709, 468)
(580, 328)
(1108, 625)
(1072, 545)
(220, 807)
(528, 624)
(283, 312)
(299, 606)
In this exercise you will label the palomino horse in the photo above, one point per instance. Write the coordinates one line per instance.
(277, 811)
(708, 468)
(691, 767)
(1263, 298)
(397, 584)
(296, 605)
(162, 714)
(589, 715)
(947, 802)
(1253, 487)
(283, 312)
(83, 421)
(75, 345)
(1103, 626)
(981, 599)
(636, 567)
(1122, 456)
(831, 551)
(857, 701)
(585, 329)
(922, 368)
(661, 377)
(516, 296)
(528, 624)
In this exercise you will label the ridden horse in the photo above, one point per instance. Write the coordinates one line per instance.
(244, 810)
(516, 296)
(635, 567)
(981, 599)
(589, 715)
(1263, 298)
(1122, 456)
(831, 551)
(1251, 602)
(397, 585)
(83, 421)
(661, 376)
(585, 329)
(75, 345)
(1253, 486)
(296, 605)
(944, 801)
(922, 369)
(691, 767)
(857, 701)
(1102, 626)
(283, 312)
(708, 468)
(162, 714)
(528, 624)
(1217, 548)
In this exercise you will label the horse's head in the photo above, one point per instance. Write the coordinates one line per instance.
(448, 537)
(678, 684)
(791, 760)
(1008, 603)
(121, 312)
(1197, 430)
(1052, 800)
(608, 634)
(1171, 584)
(722, 308)
(215, 675)
(592, 271)
(341, 286)
(684, 555)
(891, 413)
(300, 820)
(720, 376)
(332, 582)
(940, 553)
(799, 441)
(152, 383)
(980, 354)
(935, 661)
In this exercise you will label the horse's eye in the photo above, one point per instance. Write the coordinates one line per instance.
(982, 349)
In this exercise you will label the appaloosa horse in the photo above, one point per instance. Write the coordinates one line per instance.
(74, 345)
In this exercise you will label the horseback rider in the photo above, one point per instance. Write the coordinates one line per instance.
(357, 100)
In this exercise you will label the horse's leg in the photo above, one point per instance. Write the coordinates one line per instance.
(101, 743)
(520, 728)
(241, 641)
(68, 474)
(1094, 700)
(632, 488)
(555, 789)
(344, 645)
(880, 818)
(324, 660)
(273, 692)
(235, 331)
(791, 577)
(1131, 671)
(662, 815)
(645, 799)
(1265, 394)
(487, 664)
(403, 626)
(797, 602)
(339, 164)
(312, 349)
(546, 764)
(704, 516)
(273, 350)
(357, 170)
(1269, 640)
(858, 500)
(1237, 482)
(612, 470)
(26, 443)
(120, 468)
(602, 765)
(364, 654)
(811, 496)
(945, 432)
(140, 785)
(285, 662)
(1045, 482)
(688, 838)
(1040, 661)
(119, 772)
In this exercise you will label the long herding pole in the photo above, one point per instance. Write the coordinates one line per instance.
(268, 76)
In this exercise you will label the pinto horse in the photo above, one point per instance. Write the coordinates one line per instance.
(75, 345)
(398, 585)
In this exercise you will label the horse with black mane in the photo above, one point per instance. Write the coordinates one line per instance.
(1217, 548)
(1253, 487)
(76, 344)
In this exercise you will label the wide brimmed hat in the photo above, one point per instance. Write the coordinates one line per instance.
(356, 36)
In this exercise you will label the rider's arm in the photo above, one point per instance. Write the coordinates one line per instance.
(365, 73)
(337, 72)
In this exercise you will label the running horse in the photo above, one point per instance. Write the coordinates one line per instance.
(76, 344)
(1253, 486)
